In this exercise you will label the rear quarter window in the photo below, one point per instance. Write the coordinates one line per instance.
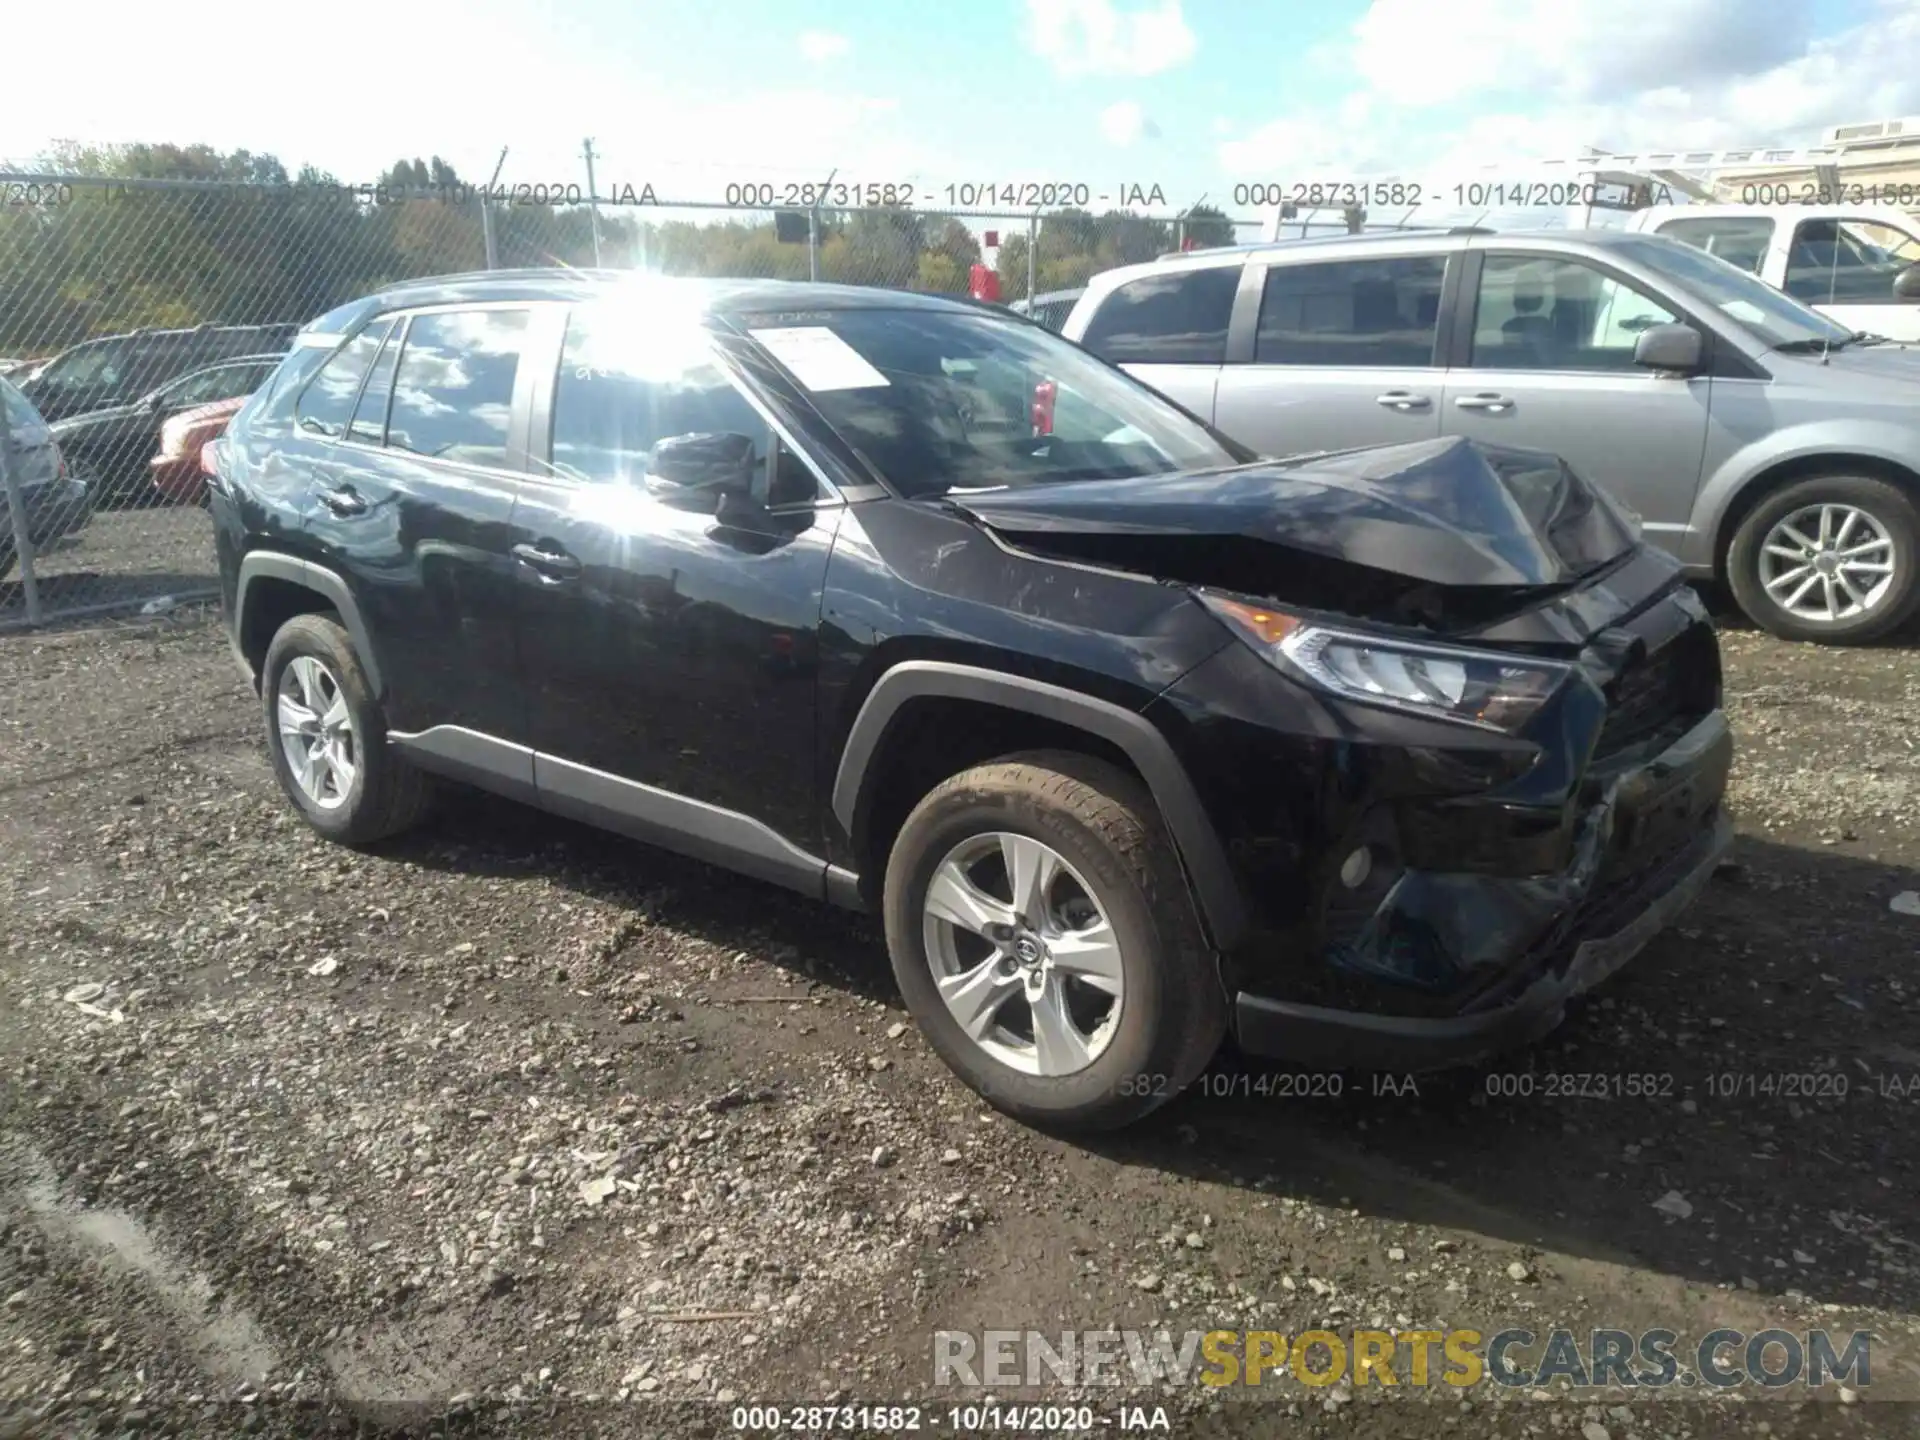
(1176, 317)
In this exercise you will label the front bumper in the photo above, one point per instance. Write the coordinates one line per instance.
(1649, 848)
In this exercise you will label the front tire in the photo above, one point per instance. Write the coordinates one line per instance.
(1833, 559)
(1042, 935)
(329, 740)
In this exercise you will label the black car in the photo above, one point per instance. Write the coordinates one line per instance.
(111, 449)
(1377, 757)
(119, 369)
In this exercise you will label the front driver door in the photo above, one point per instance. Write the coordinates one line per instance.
(1551, 368)
(668, 639)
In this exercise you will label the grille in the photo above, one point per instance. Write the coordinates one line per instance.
(1676, 682)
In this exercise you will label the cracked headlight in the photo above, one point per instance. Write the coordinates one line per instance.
(1487, 688)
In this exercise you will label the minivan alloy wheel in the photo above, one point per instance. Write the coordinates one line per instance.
(316, 732)
(1827, 562)
(1024, 956)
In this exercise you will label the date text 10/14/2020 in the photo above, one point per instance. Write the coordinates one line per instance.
(1468, 195)
(1037, 1419)
(967, 195)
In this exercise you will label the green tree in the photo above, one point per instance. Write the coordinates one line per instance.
(1206, 226)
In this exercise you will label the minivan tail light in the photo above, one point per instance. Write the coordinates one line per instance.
(1043, 397)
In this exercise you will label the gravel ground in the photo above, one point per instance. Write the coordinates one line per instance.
(123, 559)
(511, 1127)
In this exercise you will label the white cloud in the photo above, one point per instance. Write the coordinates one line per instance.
(1582, 50)
(819, 46)
(1096, 37)
(1125, 123)
(1550, 78)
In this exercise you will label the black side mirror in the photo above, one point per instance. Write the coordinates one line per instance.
(1906, 285)
(1675, 348)
(699, 468)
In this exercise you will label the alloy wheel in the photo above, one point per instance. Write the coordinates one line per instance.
(1024, 956)
(316, 732)
(1827, 562)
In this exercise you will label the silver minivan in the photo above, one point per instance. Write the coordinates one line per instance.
(1758, 440)
(53, 502)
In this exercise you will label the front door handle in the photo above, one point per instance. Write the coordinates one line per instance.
(1492, 404)
(554, 564)
(1403, 400)
(344, 500)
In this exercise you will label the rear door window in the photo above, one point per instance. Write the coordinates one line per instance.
(453, 391)
(1375, 313)
(329, 397)
(1177, 317)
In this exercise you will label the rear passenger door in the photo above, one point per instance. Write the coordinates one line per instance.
(416, 447)
(1169, 329)
(1343, 354)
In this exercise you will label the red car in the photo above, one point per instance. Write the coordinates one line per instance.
(177, 472)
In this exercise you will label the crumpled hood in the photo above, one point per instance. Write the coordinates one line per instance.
(1448, 512)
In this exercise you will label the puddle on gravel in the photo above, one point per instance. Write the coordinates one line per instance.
(225, 1340)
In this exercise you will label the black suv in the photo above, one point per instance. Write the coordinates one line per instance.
(1377, 757)
(120, 369)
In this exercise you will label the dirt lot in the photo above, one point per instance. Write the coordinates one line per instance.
(123, 558)
(293, 1140)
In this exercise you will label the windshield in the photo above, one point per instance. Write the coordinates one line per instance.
(86, 367)
(938, 400)
(1774, 318)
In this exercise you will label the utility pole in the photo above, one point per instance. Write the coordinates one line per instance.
(813, 228)
(1033, 257)
(486, 211)
(593, 205)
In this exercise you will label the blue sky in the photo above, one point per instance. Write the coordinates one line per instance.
(1191, 95)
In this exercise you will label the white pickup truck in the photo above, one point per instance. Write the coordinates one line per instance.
(1843, 260)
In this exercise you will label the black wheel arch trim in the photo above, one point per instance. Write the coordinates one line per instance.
(1216, 893)
(272, 564)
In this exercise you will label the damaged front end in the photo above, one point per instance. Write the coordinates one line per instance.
(1469, 757)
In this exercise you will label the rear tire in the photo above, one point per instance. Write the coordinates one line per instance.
(328, 738)
(1146, 1004)
(1783, 584)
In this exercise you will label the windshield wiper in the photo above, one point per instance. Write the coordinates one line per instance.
(1867, 337)
(1814, 346)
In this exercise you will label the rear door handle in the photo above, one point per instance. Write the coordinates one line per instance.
(1403, 400)
(343, 501)
(555, 565)
(1494, 404)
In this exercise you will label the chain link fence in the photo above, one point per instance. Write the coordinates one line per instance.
(126, 305)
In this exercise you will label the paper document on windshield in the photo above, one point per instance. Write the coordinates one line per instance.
(818, 358)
